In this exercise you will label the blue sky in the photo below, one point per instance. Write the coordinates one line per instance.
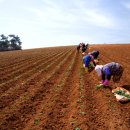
(43, 23)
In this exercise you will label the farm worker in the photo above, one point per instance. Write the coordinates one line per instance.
(79, 46)
(83, 47)
(89, 61)
(94, 54)
(105, 72)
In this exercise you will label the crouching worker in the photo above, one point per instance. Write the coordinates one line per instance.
(82, 46)
(94, 54)
(89, 61)
(105, 72)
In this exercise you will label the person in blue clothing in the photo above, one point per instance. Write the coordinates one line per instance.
(90, 61)
(105, 72)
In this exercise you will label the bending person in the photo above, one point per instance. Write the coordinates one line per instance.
(105, 72)
(89, 61)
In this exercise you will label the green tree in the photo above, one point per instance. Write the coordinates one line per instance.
(15, 42)
(4, 43)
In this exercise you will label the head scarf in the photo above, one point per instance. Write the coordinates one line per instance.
(98, 69)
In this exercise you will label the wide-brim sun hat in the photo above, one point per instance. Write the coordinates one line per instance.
(98, 69)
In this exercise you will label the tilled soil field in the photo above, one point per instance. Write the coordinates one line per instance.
(48, 89)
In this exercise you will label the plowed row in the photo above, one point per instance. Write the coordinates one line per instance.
(47, 89)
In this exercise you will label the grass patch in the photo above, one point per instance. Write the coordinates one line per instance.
(99, 87)
(36, 121)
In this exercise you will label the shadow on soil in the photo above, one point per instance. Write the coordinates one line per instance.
(126, 87)
(108, 87)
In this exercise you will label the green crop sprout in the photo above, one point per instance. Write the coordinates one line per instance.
(122, 93)
(77, 129)
(100, 86)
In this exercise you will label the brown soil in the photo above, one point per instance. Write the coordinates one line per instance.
(48, 89)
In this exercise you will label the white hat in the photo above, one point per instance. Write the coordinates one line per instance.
(98, 69)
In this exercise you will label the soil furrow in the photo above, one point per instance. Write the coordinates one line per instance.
(19, 79)
(59, 116)
(22, 107)
(49, 98)
(5, 99)
(19, 56)
(7, 72)
(57, 94)
(25, 68)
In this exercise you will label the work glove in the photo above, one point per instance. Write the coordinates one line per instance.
(86, 69)
(91, 64)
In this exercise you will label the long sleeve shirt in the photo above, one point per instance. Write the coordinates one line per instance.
(87, 59)
(109, 70)
(94, 54)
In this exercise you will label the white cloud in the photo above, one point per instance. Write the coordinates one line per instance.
(49, 18)
(57, 14)
(99, 19)
(93, 13)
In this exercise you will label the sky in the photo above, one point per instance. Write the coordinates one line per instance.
(46, 23)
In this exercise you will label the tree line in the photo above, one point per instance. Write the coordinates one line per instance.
(10, 42)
